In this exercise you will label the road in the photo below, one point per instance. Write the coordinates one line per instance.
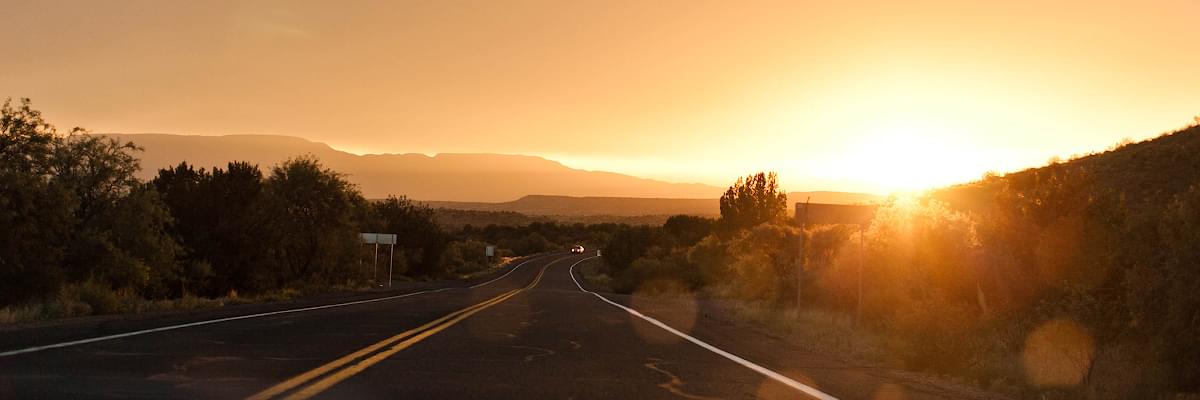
(531, 333)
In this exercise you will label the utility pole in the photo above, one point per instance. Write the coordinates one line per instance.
(862, 260)
(391, 252)
(375, 264)
(802, 216)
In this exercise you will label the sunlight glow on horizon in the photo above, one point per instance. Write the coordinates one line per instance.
(848, 96)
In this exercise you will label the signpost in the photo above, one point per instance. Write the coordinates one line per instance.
(378, 239)
(489, 251)
(861, 215)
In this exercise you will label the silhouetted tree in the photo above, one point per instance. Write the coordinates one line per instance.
(222, 220)
(627, 244)
(36, 210)
(688, 229)
(751, 201)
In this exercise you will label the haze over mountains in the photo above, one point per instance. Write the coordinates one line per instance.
(455, 177)
(631, 206)
(467, 181)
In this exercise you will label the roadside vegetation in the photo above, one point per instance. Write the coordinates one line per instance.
(81, 235)
(1077, 279)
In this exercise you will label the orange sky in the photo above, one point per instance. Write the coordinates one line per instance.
(833, 95)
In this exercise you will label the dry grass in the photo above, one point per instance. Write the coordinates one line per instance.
(594, 275)
(12, 315)
(814, 330)
(484, 270)
(80, 300)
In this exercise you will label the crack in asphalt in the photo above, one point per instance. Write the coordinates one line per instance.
(528, 358)
(673, 384)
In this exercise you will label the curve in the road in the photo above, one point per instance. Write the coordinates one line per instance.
(343, 368)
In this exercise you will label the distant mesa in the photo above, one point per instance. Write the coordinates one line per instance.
(488, 182)
(633, 206)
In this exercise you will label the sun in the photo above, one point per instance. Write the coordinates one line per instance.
(912, 157)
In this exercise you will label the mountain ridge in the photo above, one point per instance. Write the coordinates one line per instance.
(527, 184)
(480, 177)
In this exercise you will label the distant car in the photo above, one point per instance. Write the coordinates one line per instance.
(577, 249)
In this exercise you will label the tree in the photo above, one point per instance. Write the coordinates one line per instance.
(752, 200)
(222, 220)
(181, 190)
(141, 254)
(74, 211)
(417, 234)
(316, 236)
(243, 223)
(36, 211)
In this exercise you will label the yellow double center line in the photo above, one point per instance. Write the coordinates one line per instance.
(344, 368)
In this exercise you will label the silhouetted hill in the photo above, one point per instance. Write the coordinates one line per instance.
(458, 177)
(1145, 174)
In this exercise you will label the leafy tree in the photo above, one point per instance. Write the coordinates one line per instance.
(222, 221)
(143, 255)
(243, 226)
(312, 208)
(181, 190)
(752, 200)
(417, 234)
(73, 203)
(36, 211)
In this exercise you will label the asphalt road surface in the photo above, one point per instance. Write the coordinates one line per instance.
(530, 332)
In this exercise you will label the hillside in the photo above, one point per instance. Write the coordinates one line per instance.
(455, 177)
(1147, 174)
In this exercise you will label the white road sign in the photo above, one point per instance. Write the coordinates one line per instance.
(378, 238)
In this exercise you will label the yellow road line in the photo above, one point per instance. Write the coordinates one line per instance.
(307, 376)
(341, 375)
(405, 339)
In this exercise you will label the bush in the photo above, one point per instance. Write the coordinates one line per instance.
(465, 257)
(90, 298)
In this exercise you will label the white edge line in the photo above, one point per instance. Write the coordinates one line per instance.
(207, 322)
(809, 390)
(219, 320)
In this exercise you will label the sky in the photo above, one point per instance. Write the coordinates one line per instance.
(843, 95)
